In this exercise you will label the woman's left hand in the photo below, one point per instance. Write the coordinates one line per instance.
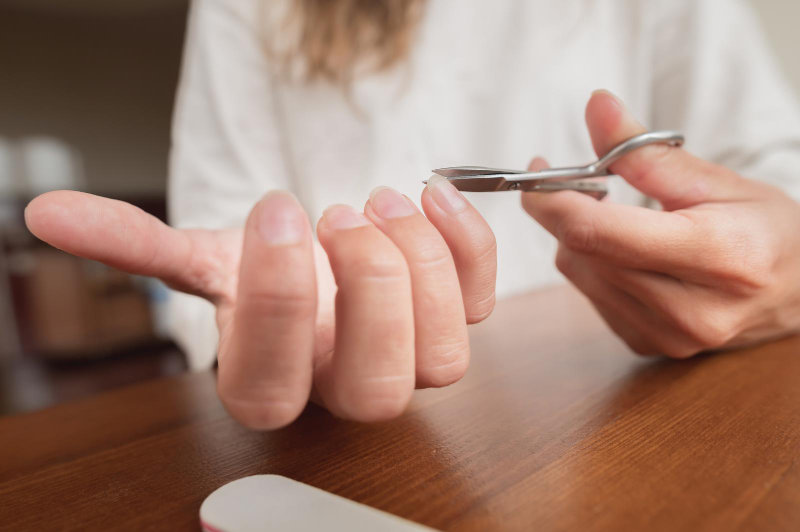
(719, 267)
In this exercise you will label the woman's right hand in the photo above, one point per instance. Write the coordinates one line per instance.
(405, 288)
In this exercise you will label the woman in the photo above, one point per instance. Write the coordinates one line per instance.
(330, 98)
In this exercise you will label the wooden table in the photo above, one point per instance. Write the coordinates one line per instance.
(556, 427)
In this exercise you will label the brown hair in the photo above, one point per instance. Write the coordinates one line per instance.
(336, 40)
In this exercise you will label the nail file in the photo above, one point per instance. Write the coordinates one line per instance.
(263, 503)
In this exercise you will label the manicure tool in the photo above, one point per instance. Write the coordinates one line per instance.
(481, 179)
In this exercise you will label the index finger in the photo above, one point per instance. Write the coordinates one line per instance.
(120, 235)
(634, 237)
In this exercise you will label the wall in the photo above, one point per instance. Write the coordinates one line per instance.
(102, 80)
(101, 75)
(780, 18)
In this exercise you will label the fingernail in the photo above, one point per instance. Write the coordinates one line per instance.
(446, 195)
(280, 219)
(388, 203)
(339, 217)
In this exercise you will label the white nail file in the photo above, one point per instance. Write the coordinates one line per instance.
(271, 502)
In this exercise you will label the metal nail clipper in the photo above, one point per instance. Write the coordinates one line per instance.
(481, 179)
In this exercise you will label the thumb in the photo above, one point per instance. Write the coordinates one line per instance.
(668, 174)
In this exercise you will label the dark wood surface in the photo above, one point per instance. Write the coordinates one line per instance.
(29, 382)
(556, 427)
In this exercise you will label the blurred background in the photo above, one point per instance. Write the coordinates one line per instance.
(86, 94)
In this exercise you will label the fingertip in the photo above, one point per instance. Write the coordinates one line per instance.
(538, 164)
(604, 103)
(279, 195)
(369, 212)
(433, 180)
(605, 94)
(340, 217)
(279, 219)
(33, 213)
(50, 214)
(372, 216)
(447, 198)
(603, 115)
(388, 204)
(262, 415)
(382, 400)
(609, 121)
(281, 200)
(427, 203)
(481, 309)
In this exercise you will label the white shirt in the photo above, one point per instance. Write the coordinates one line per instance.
(487, 83)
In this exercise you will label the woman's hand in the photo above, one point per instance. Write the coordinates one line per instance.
(719, 268)
(407, 287)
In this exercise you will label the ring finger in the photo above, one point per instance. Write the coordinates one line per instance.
(370, 375)
(442, 344)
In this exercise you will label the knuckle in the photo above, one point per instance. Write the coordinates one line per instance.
(278, 303)
(485, 248)
(378, 266)
(747, 273)
(741, 258)
(579, 235)
(432, 258)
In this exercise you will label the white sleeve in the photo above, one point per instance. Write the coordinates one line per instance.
(716, 80)
(226, 143)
